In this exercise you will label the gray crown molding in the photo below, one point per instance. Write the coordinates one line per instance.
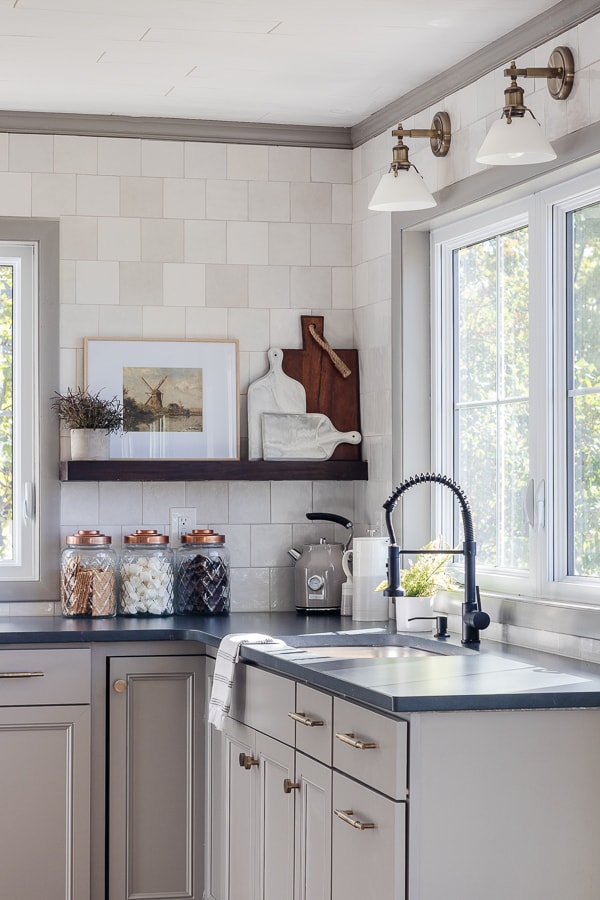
(556, 21)
(166, 129)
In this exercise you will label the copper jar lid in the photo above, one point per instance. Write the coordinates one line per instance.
(202, 536)
(146, 536)
(90, 538)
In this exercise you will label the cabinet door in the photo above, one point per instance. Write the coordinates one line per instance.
(275, 819)
(313, 830)
(240, 815)
(45, 809)
(214, 826)
(260, 815)
(368, 843)
(156, 707)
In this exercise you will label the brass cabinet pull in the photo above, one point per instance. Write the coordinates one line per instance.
(289, 786)
(347, 816)
(246, 762)
(305, 720)
(355, 742)
(120, 685)
(22, 674)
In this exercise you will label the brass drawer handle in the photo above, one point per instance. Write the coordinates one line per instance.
(347, 816)
(22, 674)
(355, 742)
(120, 685)
(289, 786)
(305, 720)
(246, 762)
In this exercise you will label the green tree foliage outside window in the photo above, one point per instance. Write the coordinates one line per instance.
(491, 392)
(584, 394)
(6, 412)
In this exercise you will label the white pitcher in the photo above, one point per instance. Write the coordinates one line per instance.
(366, 565)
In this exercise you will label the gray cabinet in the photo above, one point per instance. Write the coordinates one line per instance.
(259, 819)
(155, 777)
(45, 774)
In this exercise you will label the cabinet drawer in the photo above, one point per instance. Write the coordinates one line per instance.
(370, 747)
(44, 677)
(368, 843)
(263, 700)
(314, 720)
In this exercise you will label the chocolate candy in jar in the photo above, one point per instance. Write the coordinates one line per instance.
(203, 574)
(147, 574)
(88, 582)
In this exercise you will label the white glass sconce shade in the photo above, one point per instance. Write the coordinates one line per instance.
(401, 191)
(516, 143)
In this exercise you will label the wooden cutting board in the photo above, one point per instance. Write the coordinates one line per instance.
(327, 391)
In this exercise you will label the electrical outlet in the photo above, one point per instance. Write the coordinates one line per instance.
(182, 519)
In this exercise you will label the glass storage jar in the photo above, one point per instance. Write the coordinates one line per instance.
(88, 575)
(203, 574)
(147, 574)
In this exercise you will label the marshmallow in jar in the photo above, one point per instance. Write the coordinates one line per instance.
(147, 572)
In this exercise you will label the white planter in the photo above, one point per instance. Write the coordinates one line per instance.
(408, 609)
(89, 443)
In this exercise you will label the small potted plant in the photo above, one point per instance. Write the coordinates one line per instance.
(420, 582)
(91, 419)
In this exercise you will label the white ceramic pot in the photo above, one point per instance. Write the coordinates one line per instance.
(89, 443)
(408, 613)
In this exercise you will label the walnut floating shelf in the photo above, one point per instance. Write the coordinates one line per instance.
(212, 470)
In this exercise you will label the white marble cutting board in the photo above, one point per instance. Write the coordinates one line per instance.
(302, 436)
(275, 392)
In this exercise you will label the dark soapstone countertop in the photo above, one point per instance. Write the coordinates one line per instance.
(494, 676)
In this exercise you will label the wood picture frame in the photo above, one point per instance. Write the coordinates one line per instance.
(180, 397)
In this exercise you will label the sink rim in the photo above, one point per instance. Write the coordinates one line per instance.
(430, 645)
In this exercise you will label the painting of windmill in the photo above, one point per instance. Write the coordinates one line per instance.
(162, 399)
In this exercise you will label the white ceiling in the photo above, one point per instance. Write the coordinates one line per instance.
(308, 62)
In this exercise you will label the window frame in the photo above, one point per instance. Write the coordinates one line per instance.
(43, 587)
(22, 258)
(546, 211)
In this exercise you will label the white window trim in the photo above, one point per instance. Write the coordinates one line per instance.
(546, 211)
(22, 257)
(44, 588)
(555, 203)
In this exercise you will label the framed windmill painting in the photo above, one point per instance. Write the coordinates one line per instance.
(180, 397)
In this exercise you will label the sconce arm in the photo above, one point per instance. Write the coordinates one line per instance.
(559, 73)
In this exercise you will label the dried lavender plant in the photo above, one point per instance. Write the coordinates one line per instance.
(80, 409)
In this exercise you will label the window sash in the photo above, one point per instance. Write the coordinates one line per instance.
(548, 212)
(24, 564)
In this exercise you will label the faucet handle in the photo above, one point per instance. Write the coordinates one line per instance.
(479, 620)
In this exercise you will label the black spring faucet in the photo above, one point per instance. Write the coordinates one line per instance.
(474, 619)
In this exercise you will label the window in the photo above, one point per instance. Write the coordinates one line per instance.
(29, 486)
(517, 310)
(583, 390)
(19, 414)
(491, 390)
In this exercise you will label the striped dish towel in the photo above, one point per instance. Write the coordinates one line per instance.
(227, 656)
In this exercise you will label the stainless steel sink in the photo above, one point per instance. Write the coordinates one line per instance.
(354, 645)
(364, 652)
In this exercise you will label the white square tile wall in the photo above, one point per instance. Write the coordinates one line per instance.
(179, 239)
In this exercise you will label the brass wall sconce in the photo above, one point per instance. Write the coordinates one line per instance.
(402, 187)
(517, 138)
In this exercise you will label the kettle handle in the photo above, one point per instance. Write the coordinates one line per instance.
(330, 517)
